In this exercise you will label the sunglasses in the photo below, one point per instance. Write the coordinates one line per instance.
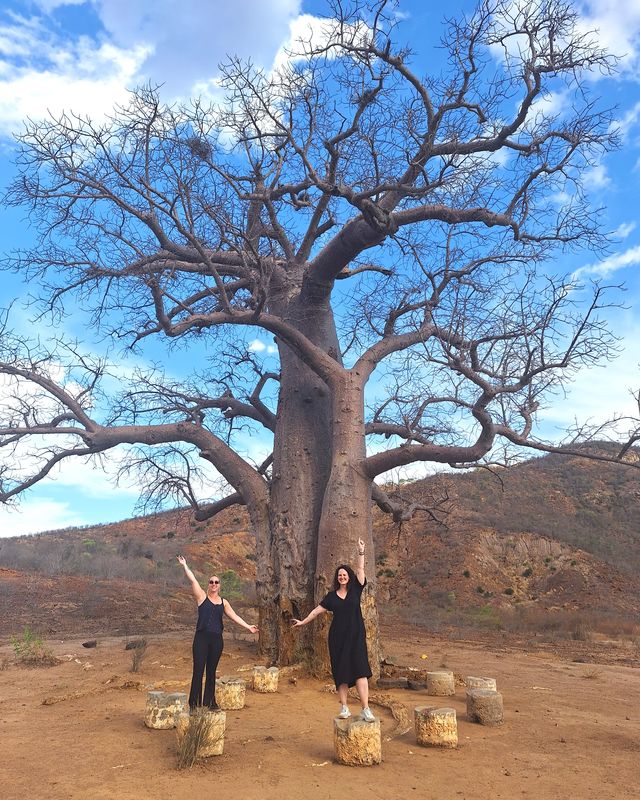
(214, 581)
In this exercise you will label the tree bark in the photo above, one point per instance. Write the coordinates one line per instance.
(320, 501)
(346, 512)
(301, 466)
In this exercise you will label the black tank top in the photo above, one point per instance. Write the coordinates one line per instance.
(210, 616)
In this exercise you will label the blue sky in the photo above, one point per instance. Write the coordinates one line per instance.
(83, 55)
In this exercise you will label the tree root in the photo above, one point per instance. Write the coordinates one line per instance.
(398, 710)
(113, 683)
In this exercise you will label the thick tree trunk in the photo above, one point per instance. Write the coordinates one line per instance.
(301, 465)
(346, 512)
(320, 501)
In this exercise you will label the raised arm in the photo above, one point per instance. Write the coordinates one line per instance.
(295, 623)
(236, 618)
(360, 563)
(198, 591)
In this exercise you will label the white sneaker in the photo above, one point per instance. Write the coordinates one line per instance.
(344, 713)
(367, 715)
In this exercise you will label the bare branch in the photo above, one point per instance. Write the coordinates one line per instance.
(209, 511)
(20, 426)
(402, 509)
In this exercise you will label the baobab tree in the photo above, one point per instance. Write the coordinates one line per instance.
(389, 230)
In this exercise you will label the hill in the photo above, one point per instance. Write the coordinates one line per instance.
(552, 544)
(120, 577)
(553, 534)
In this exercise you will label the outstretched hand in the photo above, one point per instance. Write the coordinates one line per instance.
(254, 629)
(296, 623)
(360, 546)
(182, 561)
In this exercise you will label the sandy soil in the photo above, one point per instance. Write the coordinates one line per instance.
(572, 730)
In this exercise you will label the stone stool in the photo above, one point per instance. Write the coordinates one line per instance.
(485, 706)
(265, 680)
(356, 742)
(480, 683)
(436, 727)
(441, 684)
(163, 708)
(230, 693)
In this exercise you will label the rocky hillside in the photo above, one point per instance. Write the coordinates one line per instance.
(112, 578)
(554, 541)
(553, 534)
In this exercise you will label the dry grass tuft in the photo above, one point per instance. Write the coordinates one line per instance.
(196, 734)
(138, 655)
(31, 652)
(581, 632)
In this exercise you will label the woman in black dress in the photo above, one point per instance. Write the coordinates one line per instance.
(347, 639)
(207, 642)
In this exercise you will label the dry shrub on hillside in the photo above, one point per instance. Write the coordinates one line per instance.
(576, 625)
(443, 613)
(129, 559)
(561, 624)
(31, 652)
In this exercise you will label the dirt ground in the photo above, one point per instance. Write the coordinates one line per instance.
(571, 730)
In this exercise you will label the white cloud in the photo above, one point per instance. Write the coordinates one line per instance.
(595, 178)
(78, 76)
(258, 346)
(409, 472)
(551, 104)
(606, 267)
(95, 480)
(190, 37)
(616, 25)
(624, 229)
(50, 5)
(561, 198)
(307, 31)
(33, 516)
(627, 122)
(123, 44)
(599, 393)
(618, 28)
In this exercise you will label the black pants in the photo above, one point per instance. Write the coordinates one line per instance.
(207, 649)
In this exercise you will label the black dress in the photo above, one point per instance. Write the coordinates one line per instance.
(347, 638)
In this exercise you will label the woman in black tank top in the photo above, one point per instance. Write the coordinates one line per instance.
(207, 641)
